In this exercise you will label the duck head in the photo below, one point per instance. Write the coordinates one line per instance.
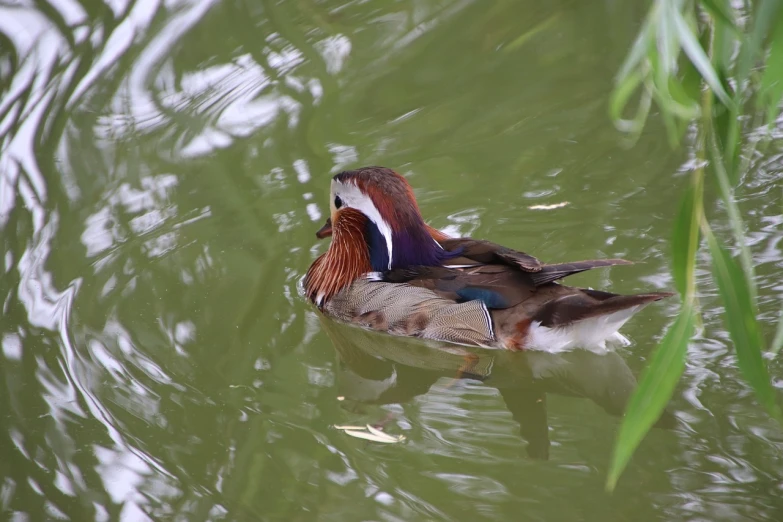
(376, 225)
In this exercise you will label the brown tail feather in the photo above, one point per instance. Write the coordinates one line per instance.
(557, 271)
(576, 307)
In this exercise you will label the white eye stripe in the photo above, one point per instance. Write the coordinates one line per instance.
(352, 196)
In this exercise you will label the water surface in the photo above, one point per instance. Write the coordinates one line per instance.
(163, 169)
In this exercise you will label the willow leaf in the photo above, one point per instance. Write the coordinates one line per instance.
(772, 80)
(744, 330)
(656, 386)
(683, 246)
(721, 11)
(620, 96)
(763, 17)
(696, 54)
(638, 49)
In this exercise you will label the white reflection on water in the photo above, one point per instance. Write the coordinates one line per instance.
(123, 473)
(12, 346)
(342, 156)
(46, 306)
(150, 207)
(245, 104)
(31, 100)
(335, 50)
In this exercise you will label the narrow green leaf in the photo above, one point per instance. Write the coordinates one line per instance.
(639, 48)
(762, 19)
(687, 108)
(751, 46)
(669, 122)
(619, 99)
(740, 317)
(699, 58)
(723, 46)
(653, 392)
(735, 217)
(668, 44)
(691, 81)
(772, 80)
(634, 127)
(522, 39)
(725, 39)
(683, 251)
(731, 142)
(720, 11)
(621, 93)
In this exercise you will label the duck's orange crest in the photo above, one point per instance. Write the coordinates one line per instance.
(347, 258)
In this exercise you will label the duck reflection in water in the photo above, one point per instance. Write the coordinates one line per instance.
(377, 369)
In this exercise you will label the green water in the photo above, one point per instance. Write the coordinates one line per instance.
(163, 169)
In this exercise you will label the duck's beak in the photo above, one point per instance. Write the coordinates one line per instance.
(326, 230)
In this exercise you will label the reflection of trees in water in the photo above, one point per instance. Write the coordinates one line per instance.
(179, 143)
(69, 442)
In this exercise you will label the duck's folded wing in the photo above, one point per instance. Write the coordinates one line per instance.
(584, 303)
(549, 273)
(476, 251)
(497, 286)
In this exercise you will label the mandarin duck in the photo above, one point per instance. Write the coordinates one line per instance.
(387, 270)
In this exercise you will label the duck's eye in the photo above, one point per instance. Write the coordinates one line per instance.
(338, 202)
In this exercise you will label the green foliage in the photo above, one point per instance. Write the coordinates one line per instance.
(684, 59)
(685, 242)
(772, 79)
(740, 316)
(655, 387)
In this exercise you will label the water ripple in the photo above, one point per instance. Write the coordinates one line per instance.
(163, 166)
